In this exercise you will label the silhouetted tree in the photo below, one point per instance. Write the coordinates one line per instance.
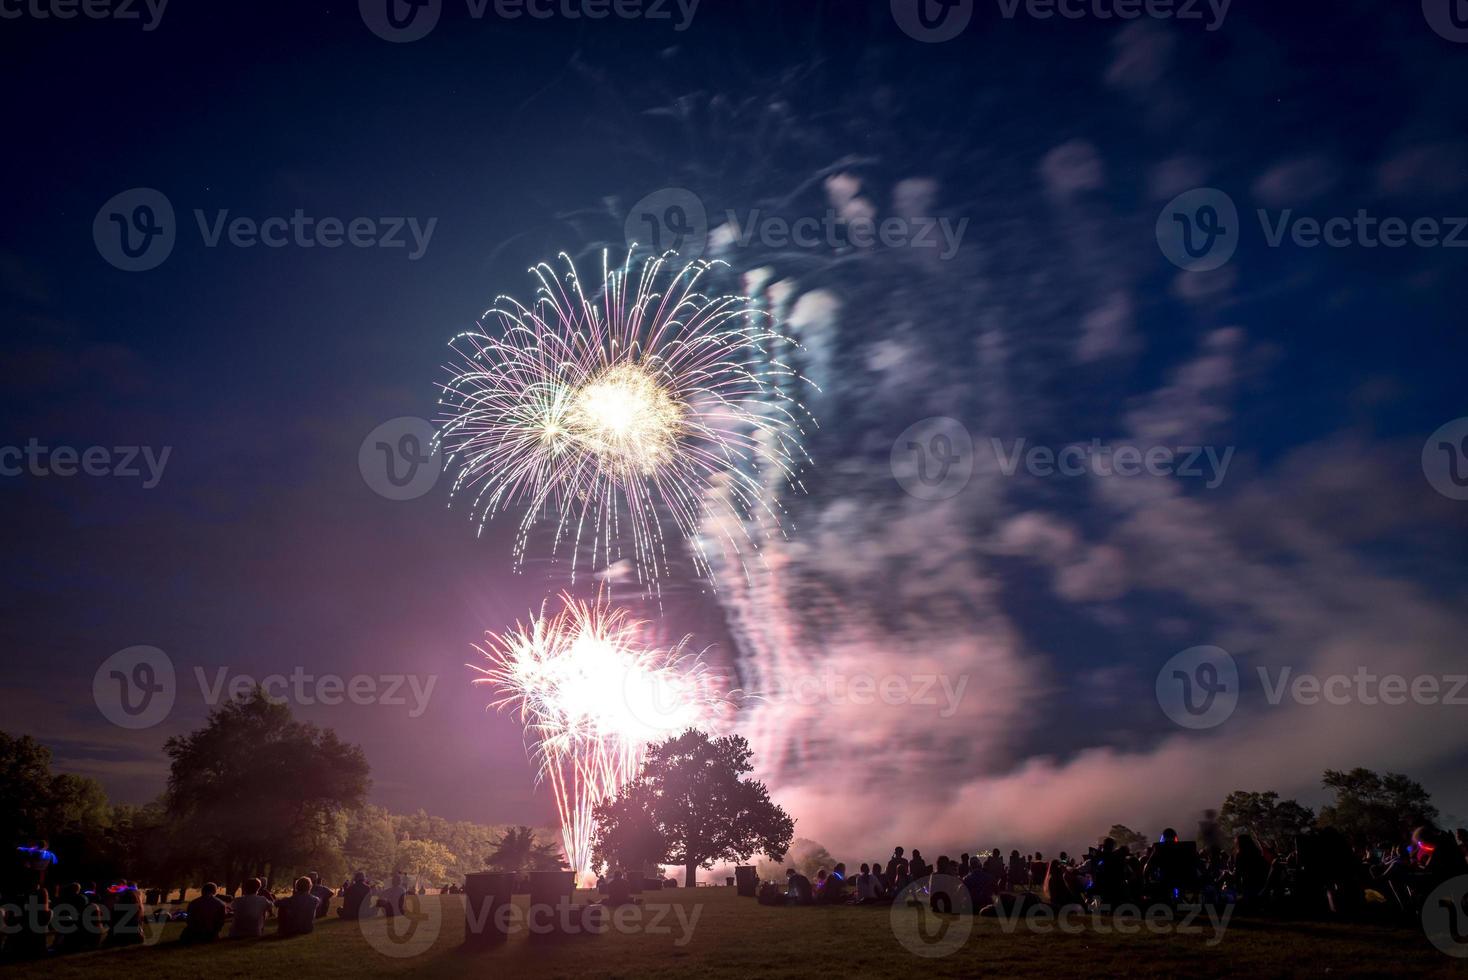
(692, 806)
(518, 851)
(256, 792)
(1127, 837)
(1265, 817)
(1370, 808)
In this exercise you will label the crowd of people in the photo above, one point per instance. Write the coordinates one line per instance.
(44, 918)
(1320, 873)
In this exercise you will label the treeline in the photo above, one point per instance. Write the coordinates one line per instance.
(253, 792)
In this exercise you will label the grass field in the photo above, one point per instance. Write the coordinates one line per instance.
(712, 932)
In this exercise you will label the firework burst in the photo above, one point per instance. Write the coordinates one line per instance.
(609, 414)
(592, 695)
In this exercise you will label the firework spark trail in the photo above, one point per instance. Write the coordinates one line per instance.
(607, 413)
(593, 695)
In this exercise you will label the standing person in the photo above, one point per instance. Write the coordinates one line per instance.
(36, 860)
(298, 913)
(249, 911)
(206, 916)
(322, 894)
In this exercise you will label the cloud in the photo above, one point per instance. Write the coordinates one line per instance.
(1071, 168)
(1297, 182)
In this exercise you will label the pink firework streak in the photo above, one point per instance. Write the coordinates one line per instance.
(593, 695)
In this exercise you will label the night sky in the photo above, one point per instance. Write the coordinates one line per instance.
(1060, 316)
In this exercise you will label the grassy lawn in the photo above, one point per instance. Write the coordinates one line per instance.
(712, 932)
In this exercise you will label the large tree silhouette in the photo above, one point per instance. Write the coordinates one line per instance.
(692, 806)
(517, 850)
(255, 791)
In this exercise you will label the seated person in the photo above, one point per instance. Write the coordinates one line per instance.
(868, 886)
(127, 915)
(832, 890)
(206, 916)
(619, 891)
(322, 893)
(249, 911)
(357, 899)
(66, 918)
(798, 890)
(980, 884)
(1060, 888)
(297, 913)
(390, 899)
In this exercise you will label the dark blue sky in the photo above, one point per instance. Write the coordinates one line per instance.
(1061, 320)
